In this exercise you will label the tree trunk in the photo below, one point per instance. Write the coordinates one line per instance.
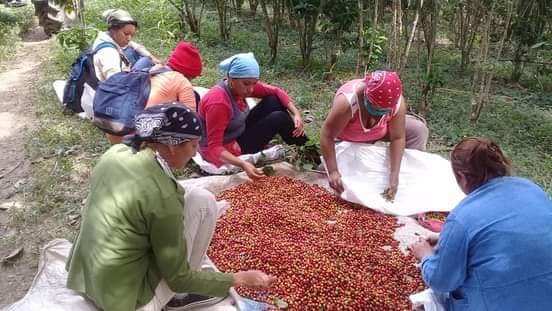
(307, 31)
(470, 20)
(361, 60)
(253, 4)
(412, 33)
(224, 25)
(429, 24)
(272, 25)
(483, 97)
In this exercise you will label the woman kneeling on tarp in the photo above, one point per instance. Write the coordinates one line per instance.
(495, 250)
(142, 239)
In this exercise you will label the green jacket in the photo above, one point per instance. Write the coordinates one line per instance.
(131, 236)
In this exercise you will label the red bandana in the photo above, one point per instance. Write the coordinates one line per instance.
(383, 88)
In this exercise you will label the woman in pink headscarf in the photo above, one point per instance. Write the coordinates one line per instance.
(368, 110)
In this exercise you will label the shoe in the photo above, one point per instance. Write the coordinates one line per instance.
(190, 301)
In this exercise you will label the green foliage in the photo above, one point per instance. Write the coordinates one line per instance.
(77, 38)
(519, 119)
(305, 157)
(375, 40)
(12, 23)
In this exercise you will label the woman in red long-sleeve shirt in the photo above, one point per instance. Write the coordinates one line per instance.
(231, 129)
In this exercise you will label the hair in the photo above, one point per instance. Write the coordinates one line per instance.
(116, 25)
(479, 160)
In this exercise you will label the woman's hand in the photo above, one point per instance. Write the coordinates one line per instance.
(390, 192)
(299, 126)
(251, 171)
(421, 249)
(334, 178)
(254, 279)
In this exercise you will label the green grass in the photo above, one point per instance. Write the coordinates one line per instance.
(65, 148)
(13, 21)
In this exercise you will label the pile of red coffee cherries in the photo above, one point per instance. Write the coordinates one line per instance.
(327, 254)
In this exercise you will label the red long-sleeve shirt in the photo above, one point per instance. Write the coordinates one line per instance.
(216, 110)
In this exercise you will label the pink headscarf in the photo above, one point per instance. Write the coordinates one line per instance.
(383, 88)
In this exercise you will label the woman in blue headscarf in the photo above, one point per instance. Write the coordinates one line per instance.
(231, 128)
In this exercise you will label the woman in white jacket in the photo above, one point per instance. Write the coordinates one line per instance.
(121, 29)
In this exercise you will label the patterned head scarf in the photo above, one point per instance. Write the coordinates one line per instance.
(168, 124)
(383, 89)
(243, 65)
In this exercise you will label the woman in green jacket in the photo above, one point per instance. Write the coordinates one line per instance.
(142, 239)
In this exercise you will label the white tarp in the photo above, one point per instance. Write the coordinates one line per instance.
(48, 291)
(270, 154)
(426, 181)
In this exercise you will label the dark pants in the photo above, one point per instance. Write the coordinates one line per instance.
(264, 121)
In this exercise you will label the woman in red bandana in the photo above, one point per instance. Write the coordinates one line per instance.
(368, 110)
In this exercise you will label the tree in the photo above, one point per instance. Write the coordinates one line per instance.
(306, 12)
(190, 12)
(528, 30)
(253, 4)
(223, 12)
(272, 24)
(404, 58)
(430, 18)
(338, 19)
(394, 50)
(483, 75)
(469, 17)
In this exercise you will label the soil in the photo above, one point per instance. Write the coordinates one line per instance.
(18, 77)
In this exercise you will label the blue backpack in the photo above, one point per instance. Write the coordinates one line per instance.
(120, 98)
(82, 71)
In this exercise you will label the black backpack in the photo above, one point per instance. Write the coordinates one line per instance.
(82, 71)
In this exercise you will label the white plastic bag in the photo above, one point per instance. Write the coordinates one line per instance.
(426, 181)
(270, 154)
(428, 299)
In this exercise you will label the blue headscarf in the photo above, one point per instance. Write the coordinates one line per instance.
(243, 65)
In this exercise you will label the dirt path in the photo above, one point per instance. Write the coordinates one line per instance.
(17, 78)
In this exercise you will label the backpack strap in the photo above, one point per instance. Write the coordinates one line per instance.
(154, 72)
(107, 44)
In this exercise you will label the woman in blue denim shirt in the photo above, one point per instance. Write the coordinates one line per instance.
(495, 250)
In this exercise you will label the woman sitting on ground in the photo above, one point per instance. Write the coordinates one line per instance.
(121, 29)
(369, 110)
(173, 83)
(231, 128)
(495, 251)
(142, 239)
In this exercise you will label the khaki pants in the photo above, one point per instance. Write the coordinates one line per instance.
(417, 132)
(200, 217)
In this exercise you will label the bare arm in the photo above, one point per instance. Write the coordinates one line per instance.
(397, 137)
(297, 119)
(340, 114)
(248, 168)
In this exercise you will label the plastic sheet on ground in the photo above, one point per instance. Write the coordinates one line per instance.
(270, 154)
(48, 291)
(426, 181)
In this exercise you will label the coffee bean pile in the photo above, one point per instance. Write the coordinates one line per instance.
(327, 254)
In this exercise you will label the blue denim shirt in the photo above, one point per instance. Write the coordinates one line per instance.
(495, 250)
